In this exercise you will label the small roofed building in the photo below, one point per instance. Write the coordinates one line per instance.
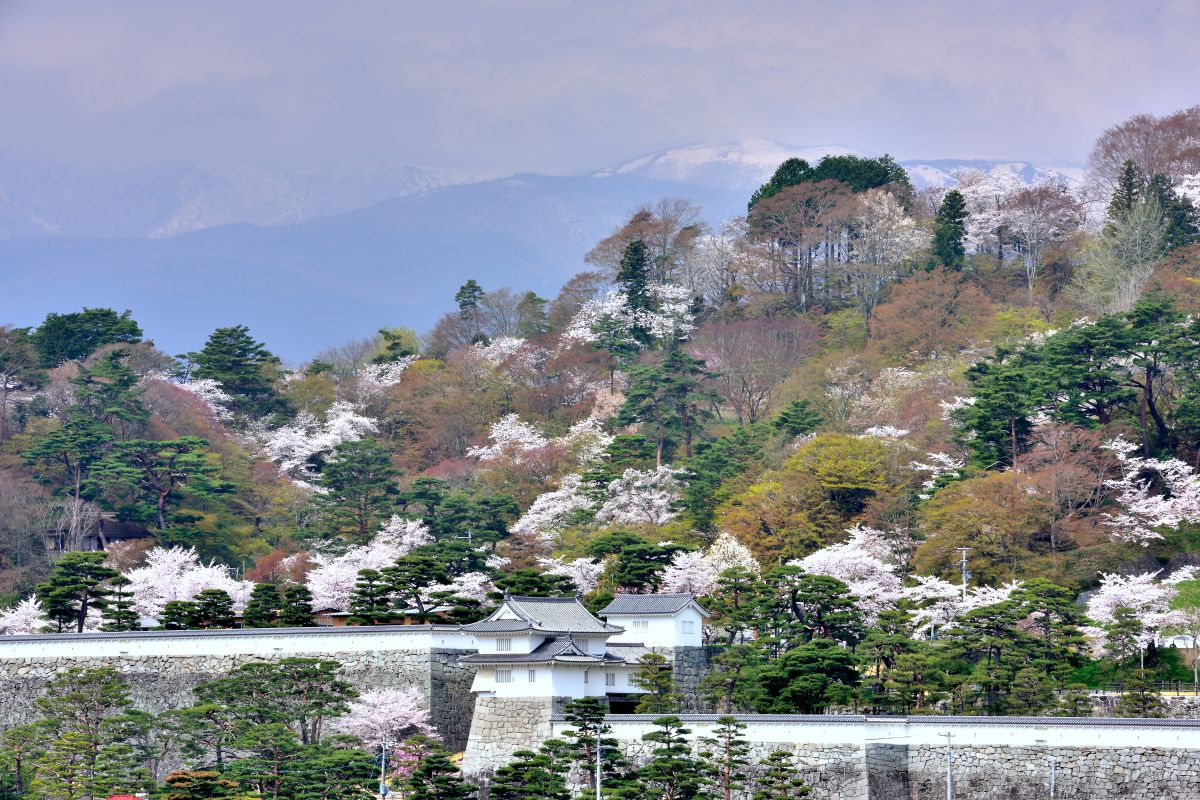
(548, 647)
(659, 621)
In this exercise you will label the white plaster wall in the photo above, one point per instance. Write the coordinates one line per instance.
(964, 733)
(251, 642)
(559, 680)
(661, 630)
(521, 643)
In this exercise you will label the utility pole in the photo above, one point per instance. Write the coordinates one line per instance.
(965, 574)
(383, 754)
(949, 770)
(599, 750)
(1053, 774)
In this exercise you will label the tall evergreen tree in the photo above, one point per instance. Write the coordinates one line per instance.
(532, 320)
(950, 231)
(727, 754)
(671, 772)
(246, 370)
(436, 778)
(371, 599)
(468, 297)
(263, 607)
(20, 369)
(778, 779)
(297, 611)
(1139, 698)
(78, 584)
(109, 392)
(1130, 188)
(119, 614)
(153, 473)
(75, 336)
(633, 276)
(654, 677)
(360, 487)
(214, 609)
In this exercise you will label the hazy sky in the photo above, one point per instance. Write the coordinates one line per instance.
(561, 86)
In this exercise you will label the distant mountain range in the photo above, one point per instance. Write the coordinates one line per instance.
(314, 258)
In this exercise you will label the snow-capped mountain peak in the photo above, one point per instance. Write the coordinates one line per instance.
(742, 164)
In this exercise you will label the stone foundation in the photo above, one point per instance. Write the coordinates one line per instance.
(162, 683)
(503, 725)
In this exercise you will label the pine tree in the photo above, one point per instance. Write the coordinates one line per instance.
(77, 584)
(633, 276)
(468, 297)
(179, 615)
(532, 321)
(246, 370)
(262, 609)
(1130, 188)
(727, 754)
(1075, 701)
(1179, 215)
(529, 776)
(119, 614)
(798, 419)
(1030, 693)
(360, 487)
(778, 779)
(435, 778)
(109, 392)
(214, 609)
(950, 231)
(1139, 698)
(153, 472)
(672, 771)
(297, 611)
(585, 716)
(198, 785)
(73, 337)
(654, 677)
(671, 400)
(370, 600)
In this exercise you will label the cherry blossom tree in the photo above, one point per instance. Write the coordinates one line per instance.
(937, 465)
(887, 237)
(25, 617)
(178, 574)
(550, 512)
(583, 572)
(386, 715)
(939, 602)
(1144, 508)
(671, 320)
(211, 394)
(292, 446)
(510, 439)
(376, 378)
(727, 552)
(333, 578)
(690, 572)
(641, 497)
(865, 564)
(1148, 598)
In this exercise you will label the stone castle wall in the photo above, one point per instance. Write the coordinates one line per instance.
(859, 758)
(162, 683)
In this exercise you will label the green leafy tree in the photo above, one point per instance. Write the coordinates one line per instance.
(655, 679)
(118, 612)
(529, 775)
(791, 172)
(214, 609)
(67, 455)
(179, 615)
(109, 392)
(263, 607)
(1130, 188)
(468, 297)
(526, 582)
(671, 773)
(198, 785)
(798, 419)
(72, 337)
(246, 370)
(532, 320)
(713, 463)
(730, 684)
(778, 779)
(77, 584)
(436, 778)
(154, 473)
(371, 599)
(1140, 699)
(297, 610)
(359, 480)
(394, 344)
(20, 369)
(801, 680)
(727, 754)
(950, 231)
(1030, 694)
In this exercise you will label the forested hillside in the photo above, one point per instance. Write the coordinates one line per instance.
(823, 415)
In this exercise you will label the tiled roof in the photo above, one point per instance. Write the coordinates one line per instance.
(630, 652)
(558, 614)
(558, 648)
(498, 626)
(661, 603)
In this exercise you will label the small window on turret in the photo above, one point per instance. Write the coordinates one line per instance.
(504, 676)
(503, 645)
